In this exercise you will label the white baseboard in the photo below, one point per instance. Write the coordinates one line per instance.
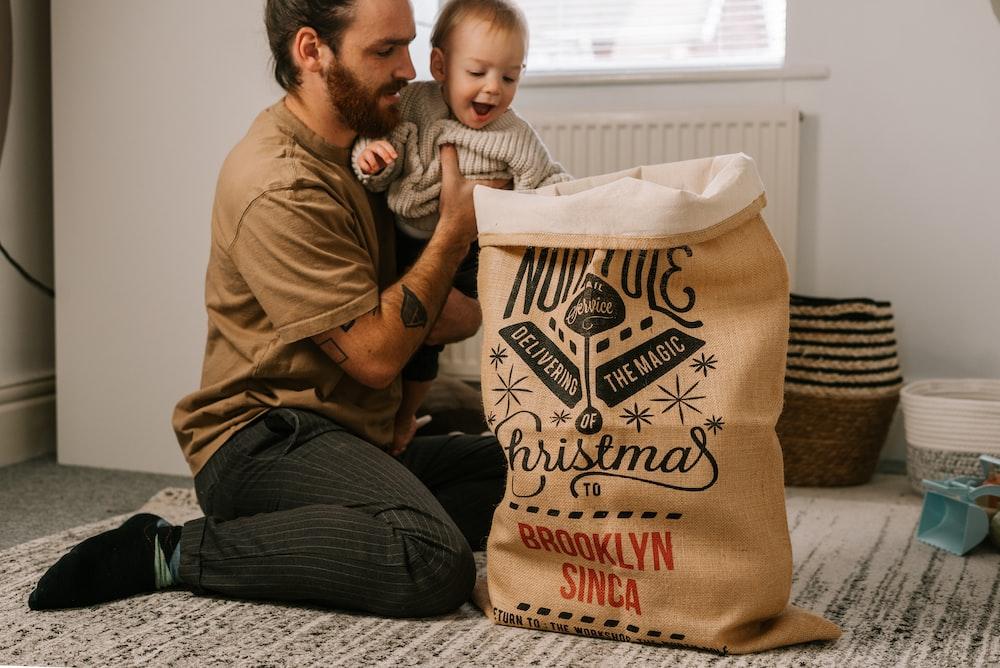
(27, 420)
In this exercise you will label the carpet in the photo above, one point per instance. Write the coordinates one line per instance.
(901, 603)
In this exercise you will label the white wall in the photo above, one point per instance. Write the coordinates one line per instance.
(27, 402)
(898, 186)
(901, 177)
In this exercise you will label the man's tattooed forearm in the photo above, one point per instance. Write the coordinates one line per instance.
(412, 312)
(347, 326)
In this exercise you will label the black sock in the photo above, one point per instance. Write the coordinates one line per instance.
(111, 565)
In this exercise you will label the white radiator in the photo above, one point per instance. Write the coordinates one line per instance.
(589, 144)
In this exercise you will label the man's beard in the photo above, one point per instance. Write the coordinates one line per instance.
(358, 105)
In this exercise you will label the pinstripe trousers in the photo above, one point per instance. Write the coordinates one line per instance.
(298, 509)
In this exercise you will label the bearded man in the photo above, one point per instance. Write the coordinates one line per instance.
(308, 329)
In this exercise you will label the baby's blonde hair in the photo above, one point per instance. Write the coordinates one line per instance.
(502, 14)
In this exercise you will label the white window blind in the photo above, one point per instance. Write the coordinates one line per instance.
(583, 36)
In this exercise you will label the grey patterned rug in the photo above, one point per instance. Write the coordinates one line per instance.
(901, 603)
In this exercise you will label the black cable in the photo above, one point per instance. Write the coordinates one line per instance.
(6, 69)
(28, 277)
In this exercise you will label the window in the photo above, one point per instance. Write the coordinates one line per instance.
(636, 36)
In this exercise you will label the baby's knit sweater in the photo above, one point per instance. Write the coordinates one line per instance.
(507, 148)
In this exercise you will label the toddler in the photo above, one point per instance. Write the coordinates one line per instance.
(479, 48)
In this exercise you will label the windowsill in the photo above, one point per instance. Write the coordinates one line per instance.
(676, 76)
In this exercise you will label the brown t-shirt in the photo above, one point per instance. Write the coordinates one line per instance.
(298, 247)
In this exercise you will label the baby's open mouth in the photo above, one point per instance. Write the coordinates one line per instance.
(482, 109)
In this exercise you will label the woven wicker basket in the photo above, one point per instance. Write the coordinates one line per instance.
(948, 424)
(841, 389)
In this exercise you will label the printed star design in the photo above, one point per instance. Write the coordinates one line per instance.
(637, 416)
(715, 424)
(508, 390)
(704, 364)
(497, 356)
(491, 418)
(559, 417)
(678, 399)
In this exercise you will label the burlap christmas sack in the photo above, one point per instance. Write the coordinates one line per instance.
(635, 327)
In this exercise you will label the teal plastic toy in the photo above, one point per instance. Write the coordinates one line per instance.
(956, 514)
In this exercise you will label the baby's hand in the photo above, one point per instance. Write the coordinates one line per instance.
(377, 156)
(403, 431)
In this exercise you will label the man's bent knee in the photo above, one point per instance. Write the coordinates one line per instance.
(440, 578)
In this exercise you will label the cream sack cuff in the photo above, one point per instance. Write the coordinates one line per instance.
(624, 209)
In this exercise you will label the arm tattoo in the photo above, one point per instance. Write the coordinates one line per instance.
(413, 313)
(347, 326)
(335, 352)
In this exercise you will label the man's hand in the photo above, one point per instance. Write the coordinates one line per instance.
(378, 155)
(460, 318)
(458, 214)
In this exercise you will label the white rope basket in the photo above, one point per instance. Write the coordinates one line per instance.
(949, 423)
